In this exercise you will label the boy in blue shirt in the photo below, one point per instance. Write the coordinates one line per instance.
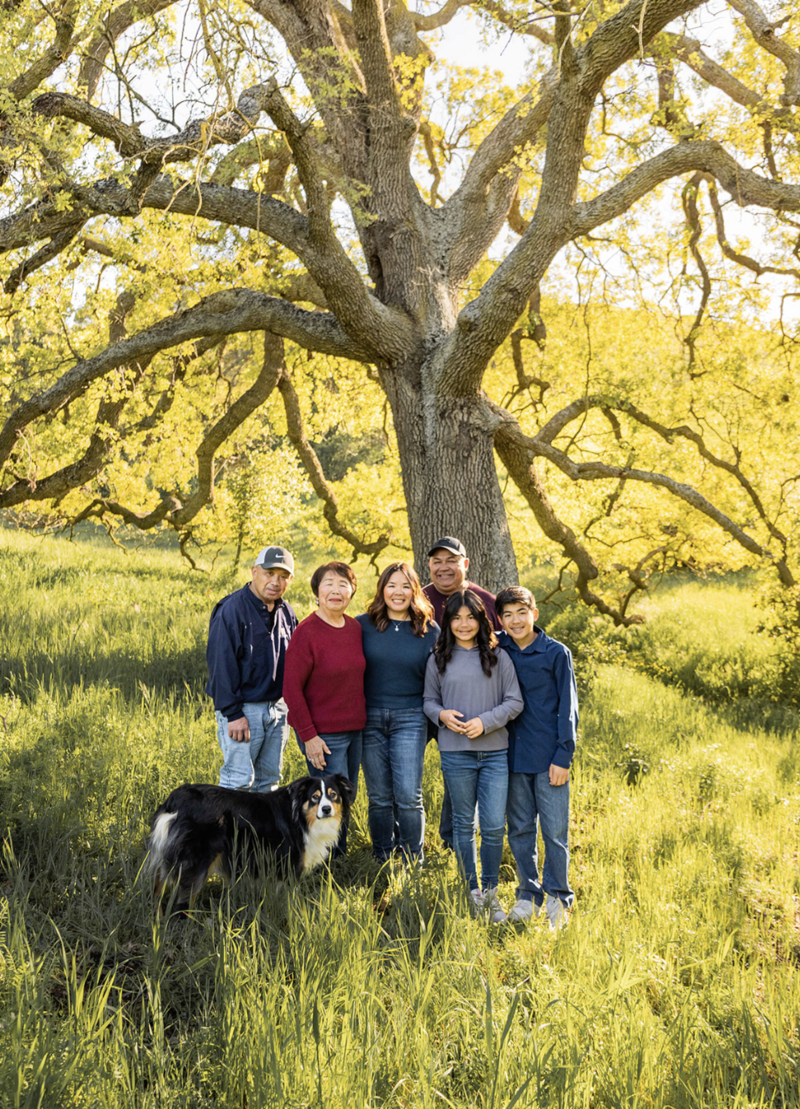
(540, 750)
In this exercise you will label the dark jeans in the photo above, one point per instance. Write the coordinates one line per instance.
(392, 758)
(446, 819)
(531, 801)
(478, 777)
(345, 758)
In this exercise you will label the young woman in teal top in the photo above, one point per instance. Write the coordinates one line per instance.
(398, 634)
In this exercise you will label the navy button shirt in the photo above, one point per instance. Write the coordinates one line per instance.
(546, 729)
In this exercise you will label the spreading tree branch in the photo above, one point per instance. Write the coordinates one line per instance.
(389, 331)
(736, 256)
(225, 313)
(441, 18)
(518, 460)
(313, 35)
(486, 321)
(763, 31)
(115, 23)
(520, 447)
(692, 214)
(180, 512)
(195, 138)
(745, 186)
(53, 57)
(42, 256)
(320, 484)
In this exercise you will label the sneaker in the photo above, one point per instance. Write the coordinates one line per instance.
(477, 901)
(556, 913)
(492, 906)
(522, 911)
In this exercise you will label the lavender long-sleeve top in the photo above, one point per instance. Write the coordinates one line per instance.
(465, 687)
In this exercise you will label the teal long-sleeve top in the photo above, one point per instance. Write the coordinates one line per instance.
(396, 660)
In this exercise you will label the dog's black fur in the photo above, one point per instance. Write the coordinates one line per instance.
(194, 833)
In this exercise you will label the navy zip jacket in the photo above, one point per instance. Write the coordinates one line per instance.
(246, 651)
(546, 729)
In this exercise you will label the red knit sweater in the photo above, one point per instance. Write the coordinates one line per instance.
(323, 680)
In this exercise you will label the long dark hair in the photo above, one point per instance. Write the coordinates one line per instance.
(420, 610)
(486, 639)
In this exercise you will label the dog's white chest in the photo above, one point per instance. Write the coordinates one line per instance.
(319, 841)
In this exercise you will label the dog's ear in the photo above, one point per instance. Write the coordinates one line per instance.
(346, 787)
(297, 794)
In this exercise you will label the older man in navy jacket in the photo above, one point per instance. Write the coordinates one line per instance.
(247, 639)
(541, 745)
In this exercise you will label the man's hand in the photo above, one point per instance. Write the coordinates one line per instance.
(473, 728)
(316, 749)
(452, 720)
(239, 730)
(559, 775)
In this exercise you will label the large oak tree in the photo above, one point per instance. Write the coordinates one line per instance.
(179, 176)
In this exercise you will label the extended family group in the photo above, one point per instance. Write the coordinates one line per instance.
(451, 661)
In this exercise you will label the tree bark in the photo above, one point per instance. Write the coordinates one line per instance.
(450, 477)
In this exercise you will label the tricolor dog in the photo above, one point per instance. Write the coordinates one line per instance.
(193, 833)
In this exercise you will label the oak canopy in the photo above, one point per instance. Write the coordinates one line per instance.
(180, 175)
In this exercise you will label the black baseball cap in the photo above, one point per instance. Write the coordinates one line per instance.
(449, 543)
(275, 558)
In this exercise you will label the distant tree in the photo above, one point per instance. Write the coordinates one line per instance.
(181, 175)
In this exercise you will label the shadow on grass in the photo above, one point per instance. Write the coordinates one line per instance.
(178, 671)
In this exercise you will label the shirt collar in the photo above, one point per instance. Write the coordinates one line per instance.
(538, 643)
(259, 605)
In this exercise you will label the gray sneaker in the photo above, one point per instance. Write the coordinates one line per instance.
(556, 913)
(523, 911)
(492, 906)
(476, 897)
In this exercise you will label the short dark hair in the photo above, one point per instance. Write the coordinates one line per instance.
(514, 595)
(341, 569)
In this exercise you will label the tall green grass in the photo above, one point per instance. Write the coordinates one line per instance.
(706, 639)
(675, 984)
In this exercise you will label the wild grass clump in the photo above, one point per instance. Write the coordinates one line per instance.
(673, 986)
(708, 639)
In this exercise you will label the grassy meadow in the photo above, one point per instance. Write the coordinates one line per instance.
(675, 984)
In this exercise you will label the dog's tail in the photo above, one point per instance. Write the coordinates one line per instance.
(158, 840)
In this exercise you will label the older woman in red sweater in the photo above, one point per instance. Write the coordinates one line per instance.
(323, 681)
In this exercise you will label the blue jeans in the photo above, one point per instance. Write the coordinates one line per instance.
(446, 819)
(478, 777)
(257, 764)
(345, 758)
(392, 758)
(532, 800)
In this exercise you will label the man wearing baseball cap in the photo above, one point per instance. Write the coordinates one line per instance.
(247, 639)
(448, 565)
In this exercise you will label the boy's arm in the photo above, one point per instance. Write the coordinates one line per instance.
(567, 691)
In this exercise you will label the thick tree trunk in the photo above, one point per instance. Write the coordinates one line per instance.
(450, 478)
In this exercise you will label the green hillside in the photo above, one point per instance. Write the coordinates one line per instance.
(674, 985)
